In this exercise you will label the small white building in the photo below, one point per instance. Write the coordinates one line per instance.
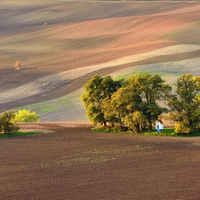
(159, 125)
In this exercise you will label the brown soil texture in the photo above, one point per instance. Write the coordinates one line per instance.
(74, 162)
(68, 160)
(51, 37)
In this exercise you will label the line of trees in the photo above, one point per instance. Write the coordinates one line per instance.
(136, 103)
(8, 119)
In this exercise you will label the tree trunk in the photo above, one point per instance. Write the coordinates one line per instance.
(150, 125)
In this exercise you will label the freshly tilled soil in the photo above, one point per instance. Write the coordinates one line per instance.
(73, 162)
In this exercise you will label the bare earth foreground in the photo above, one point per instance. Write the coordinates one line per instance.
(72, 162)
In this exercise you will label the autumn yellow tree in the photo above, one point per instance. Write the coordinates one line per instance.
(26, 116)
(185, 104)
(97, 89)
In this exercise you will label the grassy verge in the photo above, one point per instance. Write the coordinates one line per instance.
(17, 134)
(107, 130)
(166, 132)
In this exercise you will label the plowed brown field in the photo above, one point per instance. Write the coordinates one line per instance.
(75, 163)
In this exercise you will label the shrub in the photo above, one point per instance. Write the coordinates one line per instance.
(26, 116)
(6, 125)
(181, 128)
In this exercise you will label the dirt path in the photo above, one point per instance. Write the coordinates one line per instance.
(76, 163)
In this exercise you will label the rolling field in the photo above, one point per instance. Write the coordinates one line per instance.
(77, 163)
(62, 44)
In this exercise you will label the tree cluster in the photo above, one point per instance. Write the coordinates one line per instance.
(8, 119)
(135, 103)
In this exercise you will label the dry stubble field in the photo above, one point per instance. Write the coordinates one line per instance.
(61, 45)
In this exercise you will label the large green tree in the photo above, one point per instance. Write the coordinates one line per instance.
(152, 90)
(97, 89)
(185, 104)
(122, 103)
(136, 103)
(133, 103)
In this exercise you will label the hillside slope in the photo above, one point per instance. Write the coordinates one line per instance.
(62, 44)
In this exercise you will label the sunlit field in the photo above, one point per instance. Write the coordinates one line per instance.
(62, 44)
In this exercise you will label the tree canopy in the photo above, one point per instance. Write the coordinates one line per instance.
(135, 103)
(132, 103)
(26, 116)
(6, 125)
(96, 91)
(185, 104)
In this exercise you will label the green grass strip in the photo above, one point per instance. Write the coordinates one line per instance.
(17, 134)
(165, 132)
